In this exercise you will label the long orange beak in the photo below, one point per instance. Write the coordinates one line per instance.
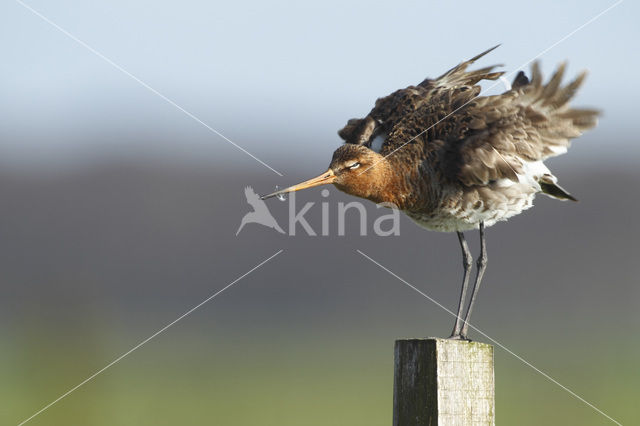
(323, 179)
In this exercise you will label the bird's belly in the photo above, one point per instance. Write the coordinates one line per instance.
(466, 210)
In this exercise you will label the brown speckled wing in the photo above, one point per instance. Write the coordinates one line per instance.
(406, 112)
(531, 122)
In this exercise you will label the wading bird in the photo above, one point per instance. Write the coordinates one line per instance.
(453, 160)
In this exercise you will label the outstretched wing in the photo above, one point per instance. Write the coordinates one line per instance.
(494, 135)
(407, 112)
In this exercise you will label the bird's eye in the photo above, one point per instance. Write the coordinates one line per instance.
(353, 166)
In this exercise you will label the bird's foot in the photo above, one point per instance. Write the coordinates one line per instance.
(459, 336)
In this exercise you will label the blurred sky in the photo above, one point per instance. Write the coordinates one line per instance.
(278, 78)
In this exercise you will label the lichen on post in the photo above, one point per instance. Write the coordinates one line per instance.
(443, 382)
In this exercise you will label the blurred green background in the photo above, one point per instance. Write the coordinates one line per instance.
(303, 381)
(119, 214)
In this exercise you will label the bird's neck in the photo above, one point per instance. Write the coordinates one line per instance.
(390, 181)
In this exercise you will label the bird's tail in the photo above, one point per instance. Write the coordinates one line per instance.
(550, 187)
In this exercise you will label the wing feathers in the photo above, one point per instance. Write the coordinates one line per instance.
(536, 75)
(549, 91)
(461, 68)
(520, 80)
(530, 123)
(565, 94)
(478, 139)
(409, 111)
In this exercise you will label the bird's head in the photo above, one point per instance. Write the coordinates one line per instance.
(354, 169)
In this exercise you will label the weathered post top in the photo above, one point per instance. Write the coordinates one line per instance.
(443, 382)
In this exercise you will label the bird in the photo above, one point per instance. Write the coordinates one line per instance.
(454, 159)
(260, 213)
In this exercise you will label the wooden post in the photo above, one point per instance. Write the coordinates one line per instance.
(443, 382)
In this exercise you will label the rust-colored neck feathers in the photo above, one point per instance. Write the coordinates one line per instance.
(364, 173)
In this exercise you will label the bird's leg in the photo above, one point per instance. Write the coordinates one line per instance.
(482, 265)
(466, 263)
